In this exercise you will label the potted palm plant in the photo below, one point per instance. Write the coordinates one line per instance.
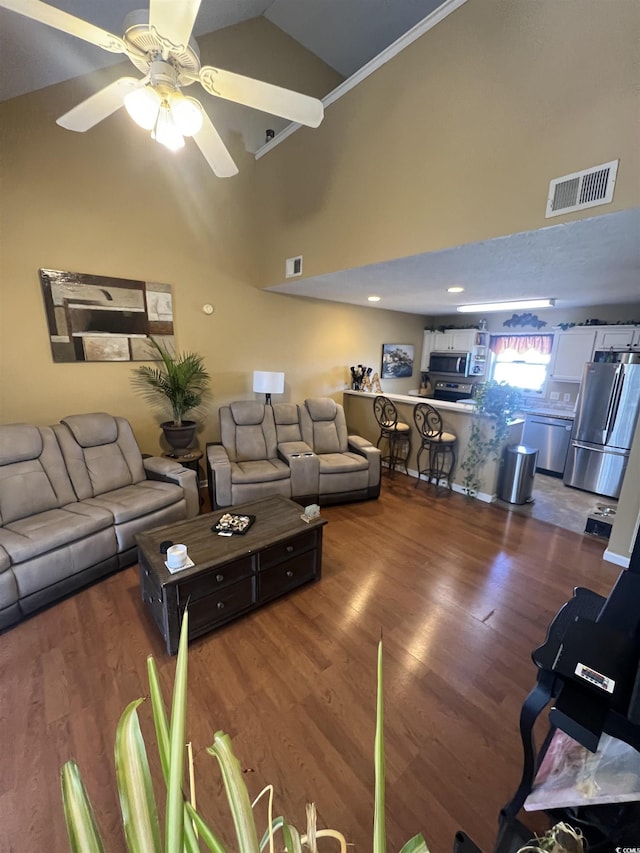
(179, 383)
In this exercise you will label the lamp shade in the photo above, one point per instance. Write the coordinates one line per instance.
(268, 382)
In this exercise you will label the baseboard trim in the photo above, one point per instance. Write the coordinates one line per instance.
(616, 559)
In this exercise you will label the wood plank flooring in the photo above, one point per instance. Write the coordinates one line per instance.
(462, 591)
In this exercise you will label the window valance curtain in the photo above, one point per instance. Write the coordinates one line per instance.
(521, 343)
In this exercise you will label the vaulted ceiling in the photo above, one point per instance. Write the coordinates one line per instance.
(588, 262)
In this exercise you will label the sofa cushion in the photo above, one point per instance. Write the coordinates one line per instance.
(138, 500)
(325, 438)
(259, 471)
(321, 408)
(323, 425)
(35, 484)
(95, 467)
(248, 431)
(25, 490)
(287, 422)
(19, 442)
(92, 429)
(46, 531)
(247, 412)
(342, 463)
(58, 565)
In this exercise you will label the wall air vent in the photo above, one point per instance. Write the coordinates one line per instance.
(293, 267)
(580, 190)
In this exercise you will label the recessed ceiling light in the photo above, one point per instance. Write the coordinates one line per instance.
(518, 305)
(455, 289)
(374, 298)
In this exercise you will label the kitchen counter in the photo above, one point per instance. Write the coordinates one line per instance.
(358, 406)
(562, 414)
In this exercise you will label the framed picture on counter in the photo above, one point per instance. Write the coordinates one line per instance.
(397, 361)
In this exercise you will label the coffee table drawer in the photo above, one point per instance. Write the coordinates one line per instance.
(204, 584)
(288, 575)
(221, 606)
(286, 550)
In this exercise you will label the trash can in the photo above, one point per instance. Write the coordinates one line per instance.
(518, 471)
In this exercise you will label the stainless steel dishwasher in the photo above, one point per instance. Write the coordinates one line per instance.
(551, 436)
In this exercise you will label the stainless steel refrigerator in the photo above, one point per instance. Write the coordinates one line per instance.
(605, 422)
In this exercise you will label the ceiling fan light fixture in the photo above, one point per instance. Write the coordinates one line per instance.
(143, 105)
(165, 131)
(187, 114)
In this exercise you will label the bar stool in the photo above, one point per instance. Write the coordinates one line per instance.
(396, 433)
(439, 445)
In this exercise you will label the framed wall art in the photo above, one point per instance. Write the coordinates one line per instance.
(98, 318)
(397, 361)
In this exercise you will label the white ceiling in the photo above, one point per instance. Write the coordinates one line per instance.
(344, 33)
(590, 262)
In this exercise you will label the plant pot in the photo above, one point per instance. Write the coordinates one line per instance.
(179, 438)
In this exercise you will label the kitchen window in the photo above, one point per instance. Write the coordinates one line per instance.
(521, 360)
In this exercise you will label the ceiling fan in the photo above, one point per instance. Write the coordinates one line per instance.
(159, 43)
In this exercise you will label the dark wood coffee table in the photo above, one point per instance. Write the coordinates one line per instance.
(232, 575)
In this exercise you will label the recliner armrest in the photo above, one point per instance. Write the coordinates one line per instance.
(363, 446)
(218, 476)
(170, 471)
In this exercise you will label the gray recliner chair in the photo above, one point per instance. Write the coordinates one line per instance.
(349, 466)
(246, 465)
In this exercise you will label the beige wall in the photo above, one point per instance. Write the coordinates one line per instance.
(112, 202)
(456, 139)
(627, 520)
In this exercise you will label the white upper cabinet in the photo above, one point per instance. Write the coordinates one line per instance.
(616, 337)
(455, 340)
(458, 340)
(571, 351)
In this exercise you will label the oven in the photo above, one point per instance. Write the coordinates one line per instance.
(453, 392)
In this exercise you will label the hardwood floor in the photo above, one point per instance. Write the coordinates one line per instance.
(462, 591)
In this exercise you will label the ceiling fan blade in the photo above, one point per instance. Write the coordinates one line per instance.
(98, 106)
(214, 150)
(262, 96)
(173, 21)
(60, 20)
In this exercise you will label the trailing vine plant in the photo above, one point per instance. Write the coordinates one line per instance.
(497, 403)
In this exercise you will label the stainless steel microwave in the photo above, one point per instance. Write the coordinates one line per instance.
(450, 363)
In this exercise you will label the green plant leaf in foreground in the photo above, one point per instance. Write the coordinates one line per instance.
(82, 828)
(177, 738)
(137, 802)
(206, 833)
(417, 844)
(379, 829)
(237, 794)
(159, 716)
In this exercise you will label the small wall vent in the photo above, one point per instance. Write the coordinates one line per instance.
(293, 267)
(580, 190)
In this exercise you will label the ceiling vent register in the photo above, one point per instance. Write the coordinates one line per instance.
(588, 188)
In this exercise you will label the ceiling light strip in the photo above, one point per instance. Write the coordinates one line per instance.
(378, 61)
(516, 305)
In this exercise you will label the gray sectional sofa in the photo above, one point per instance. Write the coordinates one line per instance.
(303, 452)
(72, 498)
